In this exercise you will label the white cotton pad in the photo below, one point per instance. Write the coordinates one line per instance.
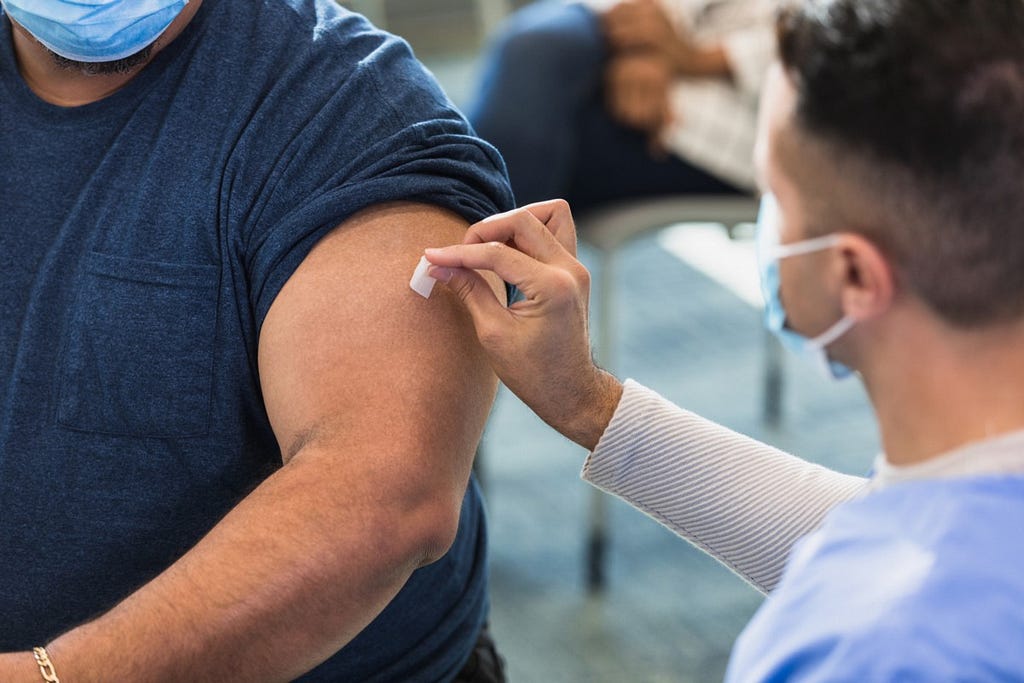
(422, 283)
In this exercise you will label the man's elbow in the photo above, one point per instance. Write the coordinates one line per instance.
(438, 526)
(407, 535)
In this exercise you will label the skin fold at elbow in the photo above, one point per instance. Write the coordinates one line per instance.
(411, 521)
(438, 524)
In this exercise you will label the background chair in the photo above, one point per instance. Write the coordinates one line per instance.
(489, 12)
(608, 230)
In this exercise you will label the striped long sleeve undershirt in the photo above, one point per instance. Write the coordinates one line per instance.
(741, 501)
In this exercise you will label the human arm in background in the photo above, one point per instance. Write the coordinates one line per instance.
(377, 399)
(637, 88)
(647, 53)
(633, 26)
(742, 501)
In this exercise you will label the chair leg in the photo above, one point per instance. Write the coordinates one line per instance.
(597, 521)
(597, 543)
(773, 380)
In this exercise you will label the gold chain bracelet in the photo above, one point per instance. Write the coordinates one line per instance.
(45, 665)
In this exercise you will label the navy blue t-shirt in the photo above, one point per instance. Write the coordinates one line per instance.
(143, 239)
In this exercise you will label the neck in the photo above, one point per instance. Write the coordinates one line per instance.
(69, 87)
(939, 388)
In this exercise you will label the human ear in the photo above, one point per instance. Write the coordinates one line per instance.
(868, 285)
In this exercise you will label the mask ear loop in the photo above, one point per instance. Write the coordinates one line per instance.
(829, 368)
(781, 251)
(823, 340)
(820, 343)
(806, 247)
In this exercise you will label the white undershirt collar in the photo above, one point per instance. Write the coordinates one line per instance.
(999, 455)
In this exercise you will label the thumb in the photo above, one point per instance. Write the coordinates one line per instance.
(474, 292)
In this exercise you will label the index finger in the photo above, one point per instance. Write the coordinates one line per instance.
(521, 227)
(508, 263)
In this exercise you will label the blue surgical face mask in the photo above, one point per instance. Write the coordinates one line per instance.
(94, 30)
(769, 253)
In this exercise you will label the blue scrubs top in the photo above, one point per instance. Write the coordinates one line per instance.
(923, 581)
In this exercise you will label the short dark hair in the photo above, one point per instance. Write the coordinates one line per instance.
(930, 93)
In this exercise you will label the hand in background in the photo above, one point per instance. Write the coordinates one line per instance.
(637, 91)
(632, 25)
(642, 26)
(539, 346)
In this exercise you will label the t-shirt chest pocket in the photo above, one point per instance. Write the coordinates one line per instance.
(138, 357)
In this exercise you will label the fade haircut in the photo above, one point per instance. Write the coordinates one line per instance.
(927, 97)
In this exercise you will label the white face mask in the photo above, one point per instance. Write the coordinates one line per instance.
(769, 253)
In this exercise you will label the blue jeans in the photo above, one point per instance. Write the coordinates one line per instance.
(541, 104)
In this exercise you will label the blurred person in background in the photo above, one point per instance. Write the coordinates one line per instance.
(603, 101)
(891, 154)
(234, 446)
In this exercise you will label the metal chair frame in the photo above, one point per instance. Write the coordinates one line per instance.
(610, 229)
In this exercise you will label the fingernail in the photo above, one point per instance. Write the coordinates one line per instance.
(440, 273)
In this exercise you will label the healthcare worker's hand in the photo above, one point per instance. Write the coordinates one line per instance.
(538, 346)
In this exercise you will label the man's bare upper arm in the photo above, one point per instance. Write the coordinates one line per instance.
(391, 389)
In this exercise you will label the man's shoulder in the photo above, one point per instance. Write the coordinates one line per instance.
(946, 632)
(918, 582)
(957, 615)
(306, 59)
(290, 34)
